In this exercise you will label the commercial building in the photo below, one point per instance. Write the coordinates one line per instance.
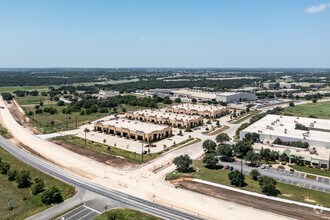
(235, 97)
(135, 130)
(162, 117)
(106, 94)
(283, 128)
(201, 110)
(276, 85)
(197, 94)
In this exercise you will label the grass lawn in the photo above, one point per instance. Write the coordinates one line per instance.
(32, 100)
(125, 214)
(319, 109)
(114, 151)
(315, 171)
(246, 117)
(3, 132)
(287, 191)
(218, 131)
(24, 203)
(312, 177)
(11, 89)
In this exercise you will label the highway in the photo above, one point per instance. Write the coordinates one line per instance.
(130, 201)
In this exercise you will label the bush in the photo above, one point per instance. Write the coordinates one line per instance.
(12, 175)
(4, 168)
(236, 178)
(255, 174)
(52, 195)
(268, 185)
(283, 163)
(280, 167)
(23, 179)
(38, 187)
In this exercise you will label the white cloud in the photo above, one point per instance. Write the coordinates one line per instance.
(316, 9)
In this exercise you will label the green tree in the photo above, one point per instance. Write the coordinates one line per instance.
(225, 150)
(251, 137)
(115, 215)
(182, 163)
(4, 167)
(255, 174)
(268, 185)
(193, 100)
(209, 146)
(38, 186)
(221, 138)
(291, 104)
(218, 123)
(210, 161)
(252, 156)
(60, 103)
(236, 178)
(177, 100)
(52, 195)
(23, 179)
(241, 148)
(12, 175)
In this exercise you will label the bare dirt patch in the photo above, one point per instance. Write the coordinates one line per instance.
(307, 199)
(103, 158)
(285, 209)
(287, 195)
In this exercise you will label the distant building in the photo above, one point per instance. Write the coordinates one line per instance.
(235, 97)
(272, 85)
(201, 110)
(106, 94)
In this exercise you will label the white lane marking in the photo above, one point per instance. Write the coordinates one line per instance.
(92, 209)
(76, 214)
(87, 215)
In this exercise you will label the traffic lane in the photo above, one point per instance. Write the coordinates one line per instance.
(81, 213)
(298, 179)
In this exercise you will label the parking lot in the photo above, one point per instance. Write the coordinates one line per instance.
(286, 176)
(81, 213)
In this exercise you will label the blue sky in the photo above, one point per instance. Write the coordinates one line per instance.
(165, 33)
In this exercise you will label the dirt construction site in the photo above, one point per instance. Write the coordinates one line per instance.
(143, 182)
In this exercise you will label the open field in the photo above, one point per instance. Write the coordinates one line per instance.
(315, 171)
(246, 117)
(114, 151)
(24, 203)
(320, 110)
(125, 214)
(32, 100)
(11, 89)
(287, 191)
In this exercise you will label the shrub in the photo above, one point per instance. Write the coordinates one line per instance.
(4, 168)
(23, 179)
(255, 174)
(52, 195)
(12, 175)
(280, 167)
(283, 163)
(38, 187)
(236, 178)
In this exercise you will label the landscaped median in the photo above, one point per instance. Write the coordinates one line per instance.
(246, 117)
(27, 196)
(286, 191)
(218, 131)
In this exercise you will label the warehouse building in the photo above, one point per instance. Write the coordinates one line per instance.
(235, 97)
(135, 130)
(283, 130)
(201, 110)
(199, 95)
(162, 117)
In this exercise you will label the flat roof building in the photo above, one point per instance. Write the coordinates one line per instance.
(132, 129)
(277, 126)
(211, 111)
(197, 94)
(162, 117)
(235, 97)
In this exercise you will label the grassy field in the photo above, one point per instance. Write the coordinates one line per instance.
(315, 171)
(125, 214)
(32, 100)
(218, 131)
(286, 191)
(114, 151)
(246, 117)
(3, 132)
(11, 89)
(320, 110)
(24, 203)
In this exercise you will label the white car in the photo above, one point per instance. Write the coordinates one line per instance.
(263, 166)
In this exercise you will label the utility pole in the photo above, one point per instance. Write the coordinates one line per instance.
(142, 151)
(240, 182)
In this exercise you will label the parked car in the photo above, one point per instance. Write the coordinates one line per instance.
(263, 166)
(230, 168)
(226, 167)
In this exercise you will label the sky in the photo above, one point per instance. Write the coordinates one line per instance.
(165, 33)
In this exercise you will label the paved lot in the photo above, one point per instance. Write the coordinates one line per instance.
(286, 176)
(81, 213)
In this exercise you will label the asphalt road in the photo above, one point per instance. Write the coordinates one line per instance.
(285, 176)
(81, 213)
(128, 200)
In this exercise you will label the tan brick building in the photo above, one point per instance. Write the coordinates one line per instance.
(131, 129)
(161, 117)
(207, 111)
